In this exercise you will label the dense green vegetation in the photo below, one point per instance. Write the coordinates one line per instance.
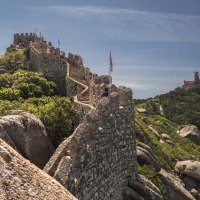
(181, 105)
(14, 60)
(168, 154)
(28, 91)
(164, 113)
(24, 84)
(151, 175)
(57, 114)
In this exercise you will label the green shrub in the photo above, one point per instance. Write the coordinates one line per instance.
(6, 106)
(56, 113)
(14, 60)
(151, 175)
(182, 105)
(9, 94)
(25, 90)
(30, 84)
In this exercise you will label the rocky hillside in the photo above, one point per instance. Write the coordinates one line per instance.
(167, 154)
(181, 105)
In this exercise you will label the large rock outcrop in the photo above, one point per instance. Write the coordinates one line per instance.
(191, 132)
(189, 171)
(142, 189)
(146, 156)
(26, 134)
(19, 179)
(189, 168)
(174, 187)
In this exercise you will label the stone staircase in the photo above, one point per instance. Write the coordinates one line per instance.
(84, 95)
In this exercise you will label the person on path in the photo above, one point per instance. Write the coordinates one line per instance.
(105, 93)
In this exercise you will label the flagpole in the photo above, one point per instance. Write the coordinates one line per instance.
(36, 30)
(109, 73)
(58, 42)
(110, 66)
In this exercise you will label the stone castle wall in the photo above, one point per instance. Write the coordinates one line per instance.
(97, 160)
(77, 69)
(52, 67)
(52, 63)
(97, 87)
(23, 39)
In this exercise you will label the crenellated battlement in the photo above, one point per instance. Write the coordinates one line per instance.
(98, 85)
(75, 59)
(25, 35)
(22, 40)
(55, 66)
(48, 55)
(42, 46)
(78, 71)
(46, 59)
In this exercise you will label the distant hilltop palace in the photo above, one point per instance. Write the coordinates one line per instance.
(193, 83)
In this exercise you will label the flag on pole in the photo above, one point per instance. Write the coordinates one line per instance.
(36, 30)
(58, 42)
(110, 62)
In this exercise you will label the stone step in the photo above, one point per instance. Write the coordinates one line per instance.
(87, 102)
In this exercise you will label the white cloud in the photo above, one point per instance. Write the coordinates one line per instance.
(133, 86)
(134, 25)
(163, 68)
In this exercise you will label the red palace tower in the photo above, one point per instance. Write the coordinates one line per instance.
(195, 82)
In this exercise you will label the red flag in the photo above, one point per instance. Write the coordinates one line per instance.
(110, 62)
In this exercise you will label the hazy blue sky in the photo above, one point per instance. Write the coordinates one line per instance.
(155, 43)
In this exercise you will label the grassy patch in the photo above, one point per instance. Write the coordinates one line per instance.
(151, 175)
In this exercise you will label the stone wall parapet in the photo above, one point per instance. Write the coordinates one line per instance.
(98, 85)
(23, 39)
(100, 154)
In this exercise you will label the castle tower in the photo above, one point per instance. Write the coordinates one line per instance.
(23, 40)
(196, 77)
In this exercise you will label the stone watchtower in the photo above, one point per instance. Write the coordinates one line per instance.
(23, 40)
(196, 81)
(196, 78)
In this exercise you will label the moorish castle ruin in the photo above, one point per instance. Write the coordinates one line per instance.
(99, 159)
